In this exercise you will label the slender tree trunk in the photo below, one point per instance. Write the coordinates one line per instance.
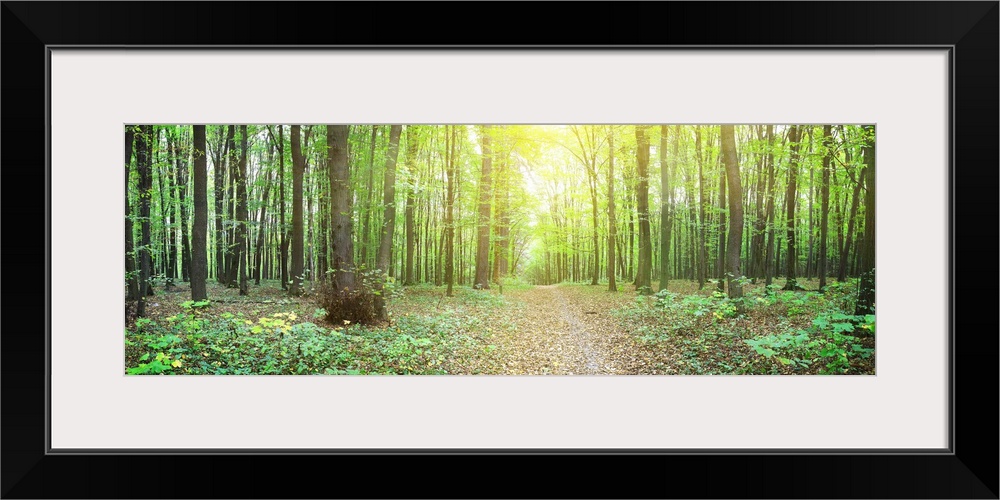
(412, 148)
(181, 183)
(449, 221)
(702, 242)
(595, 277)
(825, 206)
(259, 252)
(502, 227)
(482, 279)
(846, 250)
(665, 205)
(298, 236)
(241, 213)
(770, 246)
(720, 269)
(735, 213)
(221, 234)
(389, 221)
(199, 228)
(167, 205)
(144, 167)
(866, 284)
(790, 195)
(370, 197)
(284, 231)
(612, 222)
(131, 276)
(342, 247)
(643, 285)
(232, 262)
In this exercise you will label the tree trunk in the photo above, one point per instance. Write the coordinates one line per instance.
(131, 276)
(502, 227)
(770, 245)
(449, 222)
(720, 270)
(735, 213)
(665, 204)
(181, 182)
(259, 252)
(232, 262)
(341, 211)
(824, 206)
(298, 236)
(845, 251)
(389, 221)
(199, 229)
(412, 145)
(866, 284)
(144, 167)
(284, 231)
(643, 285)
(612, 222)
(370, 197)
(702, 242)
(790, 195)
(482, 278)
(239, 268)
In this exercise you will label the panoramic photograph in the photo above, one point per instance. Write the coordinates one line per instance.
(499, 249)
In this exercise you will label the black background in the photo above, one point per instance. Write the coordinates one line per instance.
(972, 472)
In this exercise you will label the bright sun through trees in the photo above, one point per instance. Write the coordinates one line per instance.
(583, 249)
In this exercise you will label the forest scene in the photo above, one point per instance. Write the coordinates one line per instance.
(464, 249)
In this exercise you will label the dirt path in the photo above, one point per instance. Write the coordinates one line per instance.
(563, 330)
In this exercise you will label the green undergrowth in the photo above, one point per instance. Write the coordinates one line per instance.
(430, 334)
(768, 331)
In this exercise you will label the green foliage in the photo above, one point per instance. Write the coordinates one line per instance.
(829, 341)
(277, 344)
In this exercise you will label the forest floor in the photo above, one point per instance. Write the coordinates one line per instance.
(565, 329)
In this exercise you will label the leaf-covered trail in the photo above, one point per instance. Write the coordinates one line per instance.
(564, 330)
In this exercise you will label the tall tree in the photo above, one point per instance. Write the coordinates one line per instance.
(702, 257)
(735, 212)
(586, 138)
(389, 221)
(221, 160)
(285, 232)
(866, 283)
(181, 181)
(612, 223)
(370, 197)
(341, 210)
(199, 228)
(825, 205)
(643, 276)
(231, 235)
(482, 278)
(721, 262)
(665, 221)
(238, 269)
(790, 196)
(259, 252)
(298, 236)
(449, 222)
(845, 250)
(770, 244)
(144, 167)
(412, 148)
(131, 276)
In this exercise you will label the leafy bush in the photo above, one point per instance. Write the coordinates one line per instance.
(828, 340)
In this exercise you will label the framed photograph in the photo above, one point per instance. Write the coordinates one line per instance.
(706, 351)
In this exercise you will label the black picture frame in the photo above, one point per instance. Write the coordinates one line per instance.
(968, 470)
